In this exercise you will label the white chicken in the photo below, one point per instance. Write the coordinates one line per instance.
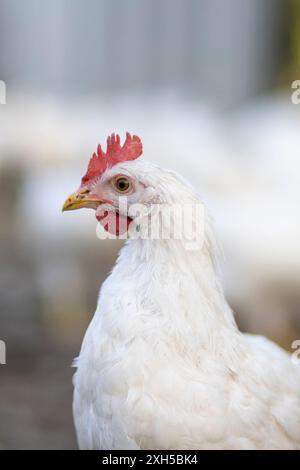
(163, 365)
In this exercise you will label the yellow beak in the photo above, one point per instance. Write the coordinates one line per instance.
(80, 199)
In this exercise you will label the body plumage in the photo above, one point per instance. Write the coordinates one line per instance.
(163, 364)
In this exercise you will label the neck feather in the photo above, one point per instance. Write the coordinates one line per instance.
(182, 295)
(177, 292)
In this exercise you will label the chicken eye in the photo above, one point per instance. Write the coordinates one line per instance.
(122, 184)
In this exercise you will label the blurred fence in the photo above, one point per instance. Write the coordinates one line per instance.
(220, 51)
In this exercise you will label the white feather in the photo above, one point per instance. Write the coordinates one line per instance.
(163, 365)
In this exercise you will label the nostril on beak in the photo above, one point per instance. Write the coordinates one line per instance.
(82, 194)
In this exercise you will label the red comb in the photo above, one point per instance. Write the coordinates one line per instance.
(100, 161)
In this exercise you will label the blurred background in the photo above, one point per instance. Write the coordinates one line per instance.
(206, 84)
